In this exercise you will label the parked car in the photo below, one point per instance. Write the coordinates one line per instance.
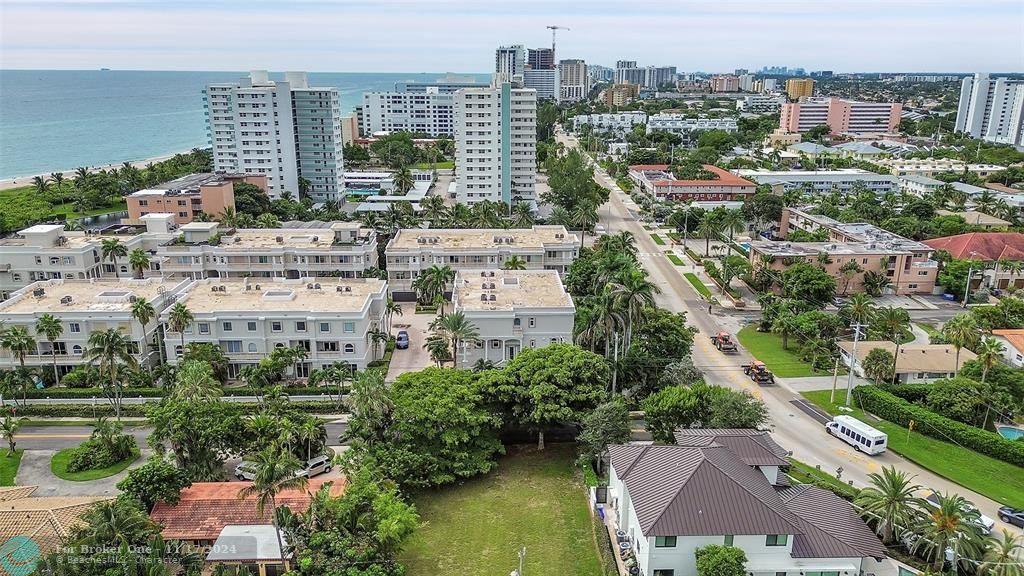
(402, 340)
(245, 470)
(985, 524)
(315, 466)
(1013, 516)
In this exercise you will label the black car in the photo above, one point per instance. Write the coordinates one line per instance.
(1012, 516)
(402, 340)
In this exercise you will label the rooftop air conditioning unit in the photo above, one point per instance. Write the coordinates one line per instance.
(484, 286)
(421, 240)
(279, 239)
(337, 289)
(316, 238)
(492, 298)
(348, 288)
(483, 297)
(491, 286)
(257, 286)
(316, 286)
(66, 300)
(309, 286)
(483, 274)
(491, 274)
(213, 288)
(248, 288)
(39, 292)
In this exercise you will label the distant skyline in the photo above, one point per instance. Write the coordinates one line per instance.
(461, 35)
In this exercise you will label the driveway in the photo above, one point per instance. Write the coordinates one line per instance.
(415, 357)
(35, 471)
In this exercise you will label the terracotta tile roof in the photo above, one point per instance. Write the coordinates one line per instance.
(1015, 337)
(989, 246)
(651, 167)
(205, 508)
(753, 447)
(725, 178)
(46, 520)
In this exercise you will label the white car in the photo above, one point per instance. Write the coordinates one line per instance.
(314, 467)
(245, 470)
(931, 498)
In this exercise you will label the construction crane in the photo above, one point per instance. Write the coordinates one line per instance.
(554, 29)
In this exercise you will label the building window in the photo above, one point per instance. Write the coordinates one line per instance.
(251, 326)
(325, 326)
(204, 328)
(349, 327)
(74, 327)
(533, 343)
(252, 346)
(232, 346)
(349, 349)
(533, 322)
(76, 349)
(275, 327)
(664, 572)
(776, 540)
(226, 326)
(728, 539)
(300, 326)
(664, 541)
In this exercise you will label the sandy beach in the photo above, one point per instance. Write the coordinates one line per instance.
(7, 183)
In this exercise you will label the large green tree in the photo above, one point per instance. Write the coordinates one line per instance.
(607, 424)
(200, 436)
(155, 481)
(717, 560)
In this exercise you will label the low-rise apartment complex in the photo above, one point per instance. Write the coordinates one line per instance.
(190, 196)
(860, 248)
(914, 362)
(930, 167)
(656, 179)
(682, 125)
(412, 251)
(610, 122)
(204, 250)
(84, 307)
(333, 319)
(822, 181)
(512, 310)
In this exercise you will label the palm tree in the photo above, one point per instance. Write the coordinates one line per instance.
(1002, 556)
(376, 337)
(115, 523)
(17, 341)
(50, 327)
(370, 406)
(111, 348)
(112, 249)
(481, 365)
(889, 503)
(41, 184)
(404, 181)
(875, 283)
(228, 217)
(456, 328)
(275, 472)
(178, 319)
(516, 262)
(433, 209)
(962, 332)
(194, 380)
(58, 181)
(311, 431)
(9, 429)
(733, 221)
(632, 293)
(859, 308)
(850, 269)
(267, 220)
(143, 312)
(584, 217)
(390, 309)
(951, 524)
(783, 324)
(336, 373)
(894, 325)
(437, 347)
(522, 215)
(989, 352)
(710, 226)
(138, 260)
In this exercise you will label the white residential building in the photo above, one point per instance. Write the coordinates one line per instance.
(573, 82)
(430, 112)
(822, 181)
(343, 249)
(915, 363)
(1013, 345)
(512, 310)
(930, 167)
(510, 63)
(760, 103)
(84, 307)
(617, 122)
(746, 82)
(545, 81)
(414, 250)
(992, 109)
(448, 84)
(48, 251)
(726, 487)
(285, 130)
(331, 318)
(496, 144)
(681, 124)
(919, 185)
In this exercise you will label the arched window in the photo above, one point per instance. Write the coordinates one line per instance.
(124, 268)
(252, 346)
(76, 349)
(349, 349)
(279, 345)
(177, 351)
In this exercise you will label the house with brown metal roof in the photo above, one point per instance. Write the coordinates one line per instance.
(672, 500)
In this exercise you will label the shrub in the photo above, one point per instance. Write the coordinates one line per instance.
(97, 453)
(136, 410)
(58, 393)
(81, 377)
(895, 409)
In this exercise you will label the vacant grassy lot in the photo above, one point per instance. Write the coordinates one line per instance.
(447, 165)
(767, 347)
(533, 499)
(59, 467)
(1000, 481)
(9, 466)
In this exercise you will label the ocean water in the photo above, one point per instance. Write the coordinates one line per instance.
(55, 120)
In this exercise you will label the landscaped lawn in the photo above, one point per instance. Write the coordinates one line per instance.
(9, 467)
(933, 332)
(675, 259)
(448, 165)
(657, 239)
(533, 499)
(1000, 481)
(767, 348)
(697, 284)
(59, 466)
(807, 474)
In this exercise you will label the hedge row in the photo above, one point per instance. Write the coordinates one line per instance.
(105, 409)
(910, 392)
(59, 393)
(895, 409)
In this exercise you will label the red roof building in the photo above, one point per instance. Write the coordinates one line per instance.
(205, 508)
(655, 179)
(984, 246)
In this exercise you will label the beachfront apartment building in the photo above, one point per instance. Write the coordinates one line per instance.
(190, 196)
(414, 250)
(546, 81)
(205, 250)
(992, 109)
(822, 181)
(447, 84)
(512, 310)
(842, 116)
(496, 144)
(683, 125)
(49, 252)
(655, 179)
(430, 112)
(284, 130)
(510, 63)
(333, 319)
(84, 307)
(760, 103)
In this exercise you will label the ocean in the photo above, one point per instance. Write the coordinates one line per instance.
(56, 120)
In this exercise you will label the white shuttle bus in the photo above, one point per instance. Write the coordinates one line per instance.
(862, 437)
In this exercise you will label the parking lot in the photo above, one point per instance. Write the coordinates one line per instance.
(415, 357)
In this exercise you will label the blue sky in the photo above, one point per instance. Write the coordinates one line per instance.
(460, 35)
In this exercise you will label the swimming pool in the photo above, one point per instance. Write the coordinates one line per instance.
(1010, 432)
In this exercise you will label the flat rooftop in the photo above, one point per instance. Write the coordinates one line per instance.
(266, 294)
(86, 296)
(811, 174)
(186, 184)
(257, 238)
(659, 175)
(483, 239)
(814, 248)
(511, 289)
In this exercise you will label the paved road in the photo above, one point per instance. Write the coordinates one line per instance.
(792, 427)
(137, 400)
(35, 471)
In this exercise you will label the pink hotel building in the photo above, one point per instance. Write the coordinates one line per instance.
(843, 116)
